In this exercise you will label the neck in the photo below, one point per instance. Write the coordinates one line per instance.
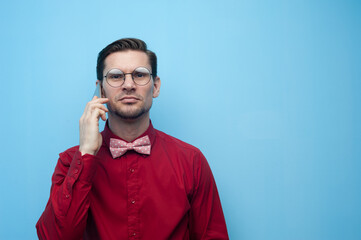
(128, 129)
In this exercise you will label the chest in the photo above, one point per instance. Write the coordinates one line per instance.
(150, 182)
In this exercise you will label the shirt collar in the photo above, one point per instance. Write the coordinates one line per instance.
(107, 134)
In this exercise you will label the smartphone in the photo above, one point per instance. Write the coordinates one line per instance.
(97, 91)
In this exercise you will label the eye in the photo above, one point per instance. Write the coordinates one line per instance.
(115, 76)
(139, 74)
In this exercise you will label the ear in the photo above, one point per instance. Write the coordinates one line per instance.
(156, 87)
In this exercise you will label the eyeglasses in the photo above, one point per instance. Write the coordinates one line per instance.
(116, 78)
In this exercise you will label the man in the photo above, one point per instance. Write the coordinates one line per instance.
(131, 181)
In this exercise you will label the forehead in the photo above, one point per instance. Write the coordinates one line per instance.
(126, 60)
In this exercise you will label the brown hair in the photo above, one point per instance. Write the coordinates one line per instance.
(123, 45)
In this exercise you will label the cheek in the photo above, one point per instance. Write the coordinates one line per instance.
(108, 92)
(150, 95)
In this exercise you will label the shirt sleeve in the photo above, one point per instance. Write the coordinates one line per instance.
(206, 215)
(66, 212)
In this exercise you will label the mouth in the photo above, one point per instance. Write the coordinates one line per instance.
(129, 99)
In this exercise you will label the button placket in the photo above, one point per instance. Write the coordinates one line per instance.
(133, 192)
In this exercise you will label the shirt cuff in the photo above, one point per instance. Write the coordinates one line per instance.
(83, 167)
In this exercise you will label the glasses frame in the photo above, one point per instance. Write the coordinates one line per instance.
(131, 74)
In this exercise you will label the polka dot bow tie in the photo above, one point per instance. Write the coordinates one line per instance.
(118, 147)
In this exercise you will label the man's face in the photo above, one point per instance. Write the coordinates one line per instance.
(129, 101)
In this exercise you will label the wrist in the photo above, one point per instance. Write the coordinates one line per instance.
(84, 151)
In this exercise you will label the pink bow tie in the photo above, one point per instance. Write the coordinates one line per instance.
(118, 147)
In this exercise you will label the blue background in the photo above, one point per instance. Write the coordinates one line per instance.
(268, 90)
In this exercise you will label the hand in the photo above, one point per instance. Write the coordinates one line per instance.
(90, 138)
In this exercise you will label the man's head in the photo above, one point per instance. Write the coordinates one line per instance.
(125, 44)
(128, 100)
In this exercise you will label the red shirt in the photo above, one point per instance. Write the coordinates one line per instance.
(169, 194)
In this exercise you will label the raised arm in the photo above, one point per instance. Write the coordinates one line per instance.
(66, 212)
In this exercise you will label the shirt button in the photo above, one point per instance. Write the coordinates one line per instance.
(76, 171)
(67, 196)
(134, 234)
(131, 170)
(78, 162)
(133, 201)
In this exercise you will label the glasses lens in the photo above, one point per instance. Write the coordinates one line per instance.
(141, 76)
(115, 77)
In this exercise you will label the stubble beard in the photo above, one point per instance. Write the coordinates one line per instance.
(131, 114)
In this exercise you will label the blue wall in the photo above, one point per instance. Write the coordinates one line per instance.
(268, 90)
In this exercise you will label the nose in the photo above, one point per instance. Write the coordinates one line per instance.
(128, 82)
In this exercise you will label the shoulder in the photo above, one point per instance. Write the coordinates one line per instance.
(183, 154)
(174, 142)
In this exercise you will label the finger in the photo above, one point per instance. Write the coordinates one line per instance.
(96, 102)
(99, 100)
(91, 106)
(97, 105)
(97, 113)
(104, 116)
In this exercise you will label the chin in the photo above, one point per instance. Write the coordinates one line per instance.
(129, 111)
(131, 114)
